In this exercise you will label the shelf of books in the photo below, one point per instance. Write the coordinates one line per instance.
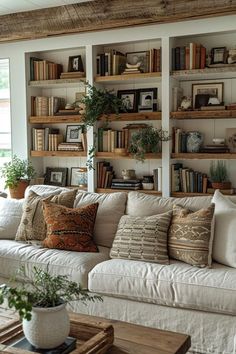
(55, 119)
(113, 190)
(128, 77)
(62, 153)
(132, 117)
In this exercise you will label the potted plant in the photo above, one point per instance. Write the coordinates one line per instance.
(147, 140)
(17, 174)
(41, 306)
(219, 175)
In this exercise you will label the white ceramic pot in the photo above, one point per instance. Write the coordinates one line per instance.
(48, 327)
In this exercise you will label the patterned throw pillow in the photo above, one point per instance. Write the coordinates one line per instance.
(191, 235)
(142, 238)
(70, 229)
(32, 225)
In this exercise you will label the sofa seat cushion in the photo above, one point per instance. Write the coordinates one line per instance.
(177, 284)
(14, 254)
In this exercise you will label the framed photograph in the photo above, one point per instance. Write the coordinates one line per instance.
(75, 64)
(56, 176)
(202, 93)
(147, 100)
(218, 55)
(73, 133)
(142, 57)
(129, 98)
(79, 177)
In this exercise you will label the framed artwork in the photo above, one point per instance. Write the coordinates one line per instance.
(218, 55)
(142, 57)
(75, 64)
(202, 93)
(129, 98)
(147, 100)
(79, 177)
(73, 133)
(56, 176)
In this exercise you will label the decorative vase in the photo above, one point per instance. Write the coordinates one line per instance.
(194, 141)
(18, 192)
(48, 327)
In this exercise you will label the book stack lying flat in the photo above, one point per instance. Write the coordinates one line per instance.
(72, 75)
(64, 112)
(64, 348)
(70, 147)
(131, 71)
(215, 148)
(119, 183)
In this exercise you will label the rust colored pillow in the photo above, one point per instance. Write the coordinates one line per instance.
(70, 228)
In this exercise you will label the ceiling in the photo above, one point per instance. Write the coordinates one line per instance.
(13, 6)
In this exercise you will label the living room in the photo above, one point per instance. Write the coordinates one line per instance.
(181, 279)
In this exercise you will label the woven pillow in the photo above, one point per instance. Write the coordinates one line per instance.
(70, 229)
(32, 225)
(142, 238)
(190, 235)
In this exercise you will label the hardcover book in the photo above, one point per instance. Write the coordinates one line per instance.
(64, 348)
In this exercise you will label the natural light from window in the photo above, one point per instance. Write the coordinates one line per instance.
(5, 118)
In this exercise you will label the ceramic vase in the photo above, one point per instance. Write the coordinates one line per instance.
(194, 141)
(48, 327)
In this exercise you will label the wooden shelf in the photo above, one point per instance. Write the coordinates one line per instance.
(203, 114)
(228, 71)
(127, 77)
(113, 156)
(183, 194)
(58, 153)
(132, 117)
(112, 190)
(55, 119)
(58, 82)
(204, 156)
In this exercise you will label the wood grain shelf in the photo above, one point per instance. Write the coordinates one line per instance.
(127, 77)
(203, 114)
(228, 71)
(204, 156)
(112, 190)
(55, 119)
(131, 117)
(58, 153)
(58, 82)
(113, 156)
(184, 194)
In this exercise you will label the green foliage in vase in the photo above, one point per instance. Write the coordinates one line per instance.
(218, 171)
(43, 290)
(147, 140)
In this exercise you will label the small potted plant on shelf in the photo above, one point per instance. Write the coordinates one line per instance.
(17, 174)
(147, 140)
(41, 305)
(219, 175)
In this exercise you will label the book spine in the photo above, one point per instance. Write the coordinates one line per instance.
(182, 58)
(202, 57)
(187, 58)
(198, 56)
(159, 179)
(173, 59)
(177, 58)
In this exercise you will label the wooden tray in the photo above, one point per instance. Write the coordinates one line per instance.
(93, 337)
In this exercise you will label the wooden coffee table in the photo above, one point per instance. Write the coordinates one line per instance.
(128, 338)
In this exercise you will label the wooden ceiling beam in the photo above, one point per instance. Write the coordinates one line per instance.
(106, 14)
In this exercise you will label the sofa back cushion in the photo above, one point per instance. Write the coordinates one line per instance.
(10, 216)
(111, 208)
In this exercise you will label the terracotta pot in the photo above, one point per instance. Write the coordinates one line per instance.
(221, 185)
(18, 192)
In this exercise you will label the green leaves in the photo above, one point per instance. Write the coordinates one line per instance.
(218, 171)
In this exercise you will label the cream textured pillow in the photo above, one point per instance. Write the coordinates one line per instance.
(224, 245)
(32, 225)
(142, 238)
(10, 215)
(190, 235)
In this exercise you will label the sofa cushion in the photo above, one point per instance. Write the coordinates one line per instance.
(10, 216)
(45, 190)
(111, 208)
(224, 246)
(32, 226)
(70, 228)
(178, 284)
(142, 238)
(14, 254)
(191, 234)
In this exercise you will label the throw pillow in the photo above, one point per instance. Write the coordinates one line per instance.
(10, 216)
(190, 235)
(70, 229)
(224, 246)
(142, 238)
(32, 225)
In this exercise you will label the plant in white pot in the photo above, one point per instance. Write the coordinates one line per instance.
(42, 306)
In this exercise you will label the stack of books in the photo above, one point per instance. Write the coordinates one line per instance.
(132, 71)
(72, 75)
(70, 147)
(105, 174)
(109, 140)
(120, 183)
(46, 106)
(215, 149)
(184, 179)
(46, 139)
(41, 69)
(65, 112)
(192, 56)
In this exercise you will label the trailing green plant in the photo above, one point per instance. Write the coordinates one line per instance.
(147, 140)
(218, 171)
(15, 170)
(44, 290)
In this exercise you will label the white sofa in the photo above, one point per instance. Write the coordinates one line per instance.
(178, 297)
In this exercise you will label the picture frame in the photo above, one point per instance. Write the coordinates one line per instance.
(73, 133)
(147, 100)
(218, 55)
(129, 98)
(79, 177)
(56, 176)
(75, 64)
(202, 92)
(135, 57)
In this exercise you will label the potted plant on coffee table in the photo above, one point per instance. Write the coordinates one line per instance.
(219, 175)
(41, 305)
(17, 174)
